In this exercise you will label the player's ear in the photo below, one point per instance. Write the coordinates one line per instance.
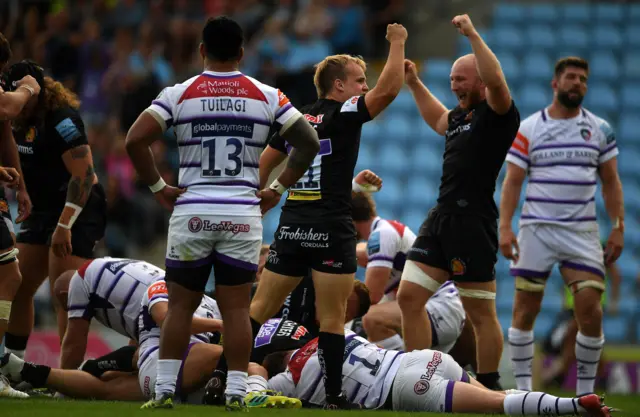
(338, 85)
(554, 83)
(202, 51)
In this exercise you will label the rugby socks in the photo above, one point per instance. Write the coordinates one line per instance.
(490, 380)
(394, 342)
(330, 356)
(521, 348)
(36, 375)
(588, 351)
(236, 384)
(256, 383)
(119, 360)
(541, 404)
(15, 344)
(167, 375)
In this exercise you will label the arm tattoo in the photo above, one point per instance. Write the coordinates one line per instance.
(80, 187)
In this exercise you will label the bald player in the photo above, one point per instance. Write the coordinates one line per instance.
(459, 239)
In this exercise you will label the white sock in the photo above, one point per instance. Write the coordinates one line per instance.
(12, 367)
(588, 350)
(539, 403)
(18, 353)
(166, 376)
(394, 342)
(521, 348)
(256, 383)
(236, 384)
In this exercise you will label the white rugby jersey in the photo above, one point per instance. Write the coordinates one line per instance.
(222, 122)
(387, 247)
(367, 373)
(111, 290)
(561, 157)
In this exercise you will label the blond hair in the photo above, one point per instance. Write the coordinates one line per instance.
(333, 68)
(57, 96)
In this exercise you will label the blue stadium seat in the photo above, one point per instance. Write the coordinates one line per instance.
(628, 128)
(600, 98)
(509, 13)
(395, 159)
(425, 160)
(603, 66)
(421, 192)
(414, 216)
(541, 37)
(391, 194)
(630, 96)
(423, 131)
(403, 103)
(632, 36)
(510, 65)
(400, 129)
(578, 13)
(537, 66)
(607, 37)
(574, 37)
(535, 96)
(507, 38)
(631, 188)
(270, 225)
(615, 328)
(627, 304)
(373, 132)
(609, 12)
(633, 12)
(437, 70)
(464, 47)
(631, 65)
(443, 93)
(547, 13)
(552, 301)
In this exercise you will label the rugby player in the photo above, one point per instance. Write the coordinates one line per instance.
(69, 205)
(316, 230)
(459, 239)
(222, 120)
(423, 380)
(563, 148)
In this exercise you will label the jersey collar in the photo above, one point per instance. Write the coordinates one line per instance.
(375, 222)
(216, 74)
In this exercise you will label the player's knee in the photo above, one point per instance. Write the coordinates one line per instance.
(525, 317)
(371, 322)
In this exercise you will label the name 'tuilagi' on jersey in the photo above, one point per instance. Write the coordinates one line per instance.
(222, 122)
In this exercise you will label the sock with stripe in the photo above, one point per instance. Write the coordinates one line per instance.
(588, 351)
(521, 348)
(256, 383)
(119, 360)
(540, 404)
(166, 377)
(394, 342)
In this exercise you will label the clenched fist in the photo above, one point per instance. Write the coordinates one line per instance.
(410, 72)
(464, 25)
(396, 32)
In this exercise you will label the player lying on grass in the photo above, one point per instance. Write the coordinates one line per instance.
(423, 380)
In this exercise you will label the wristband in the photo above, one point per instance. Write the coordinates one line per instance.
(158, 186)
(30, 89)
(70, 213)
(277, 187)
(619, 224)
(362, 188)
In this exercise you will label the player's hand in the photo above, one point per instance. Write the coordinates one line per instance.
(268, 199)
(369, 180)
(615, 243)
(9, 177)
(31, 82)
(464, 25)
(24, 205)
(61, 242)
(410, 72)
(168, 195)
(509, 242)
(396, 32)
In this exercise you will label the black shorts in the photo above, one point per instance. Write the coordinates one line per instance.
(465, 246)
(328, 247)
(6, 226)
(86, 232)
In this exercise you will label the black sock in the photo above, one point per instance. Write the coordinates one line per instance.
(330, 356)
(118, 360)
(489, 380)
(13, 342)
(36, 375)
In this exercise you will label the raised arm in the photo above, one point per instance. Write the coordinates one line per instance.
(431, 109)
(12, 103)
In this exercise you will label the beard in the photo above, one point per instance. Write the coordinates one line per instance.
(570, 102)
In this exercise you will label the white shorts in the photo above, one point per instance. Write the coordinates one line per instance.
(425, 380)
(447, 316)
(544, 245)
(197, 240)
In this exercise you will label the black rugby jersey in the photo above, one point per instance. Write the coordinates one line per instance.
(477, 142)
(324, 192)
(41, 148)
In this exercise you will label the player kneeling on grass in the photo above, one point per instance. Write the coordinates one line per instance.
(423, 380)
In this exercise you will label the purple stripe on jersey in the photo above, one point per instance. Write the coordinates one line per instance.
(202, 338)
(555, 219)
(283, 109)
(146, 354)
(155, 297)
(184, 359)
(219, 201)
(448, 397)
(544, 116)
(127, 299)
(206, 74)
(235, 262)
(380, 399)
(164, 106)
(190, 142)
(234, 183)
(172, 263)
(76, 307)
(554, 201)
(251, 165)
(560, 182)
(254, 144)
(564, 164)
(521, 157)
(204, 118)
(566, 145)
(355, 393)
(608, 148)
(113, 284)
(380, 257)
(528, 273)
(98, 278)
(465, 377)
(580, 267)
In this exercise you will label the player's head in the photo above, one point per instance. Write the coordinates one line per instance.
(264, 251)
(222, 40)
(466, 83)
(5, 51)
(61, 287)
(340, 77)
(277, 362)
(359, 301)
(363, 211)
(570, 81)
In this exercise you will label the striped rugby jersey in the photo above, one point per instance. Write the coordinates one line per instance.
(562, 157)
(222, 122)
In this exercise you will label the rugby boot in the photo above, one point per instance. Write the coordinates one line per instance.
(340, 402)
(594, 406)
(270, 399)
(165, 401)
(235, 403)
(7, 391)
